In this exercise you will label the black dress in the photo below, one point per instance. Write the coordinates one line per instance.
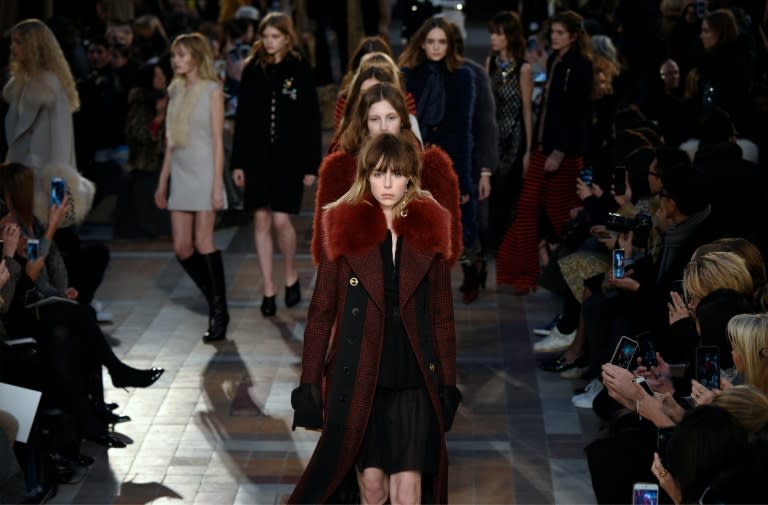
(402, 428)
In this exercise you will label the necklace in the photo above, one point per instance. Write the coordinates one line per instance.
(507, 67)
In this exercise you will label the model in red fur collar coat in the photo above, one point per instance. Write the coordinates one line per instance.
(351, 238)
(337, 173)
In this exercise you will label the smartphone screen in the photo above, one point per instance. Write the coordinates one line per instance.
(708, 366)
(645, 494)
(701, 8)
(57, 190)
(33, 249)
(586, 176)
(618, 264)
(531, 43)
(624, 353)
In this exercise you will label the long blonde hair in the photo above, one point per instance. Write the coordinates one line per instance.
(200, 50)
(384, 152)
(749, 337)
(42, 53)
(716, 270)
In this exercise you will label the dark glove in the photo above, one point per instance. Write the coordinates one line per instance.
(450, 397)
(307, 407)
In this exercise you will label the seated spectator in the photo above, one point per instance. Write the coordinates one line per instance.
(709, 460)
(151, 41)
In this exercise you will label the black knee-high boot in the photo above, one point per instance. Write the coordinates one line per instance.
(197, 269)
(217, 283)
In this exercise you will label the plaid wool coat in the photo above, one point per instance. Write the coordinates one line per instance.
(351, 238)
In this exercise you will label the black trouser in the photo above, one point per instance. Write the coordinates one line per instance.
(86, 264)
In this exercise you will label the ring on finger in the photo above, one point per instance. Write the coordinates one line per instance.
(662, 474)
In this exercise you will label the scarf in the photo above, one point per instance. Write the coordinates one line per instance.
(431, 107)
(677, 236)
(181, 107)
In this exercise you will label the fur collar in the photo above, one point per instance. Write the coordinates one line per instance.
(33, 93)
(353, 230)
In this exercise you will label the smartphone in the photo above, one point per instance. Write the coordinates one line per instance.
(644, 493)
(708, 366)
(643, 384)
(662, 437)
(624, 353)
(620, 180)
(646, 349)
(33, 249)
(58, 186)
(531, 43)
(618, 264)
(586, 176)
(701, 8)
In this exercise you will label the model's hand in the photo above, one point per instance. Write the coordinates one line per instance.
(526, 163)
(464, 198)
(160, 195)
(484, 187)
(218, 198)
(309, 179)
(11, 235)
(553, 162)
(71, 293)
(238, 176)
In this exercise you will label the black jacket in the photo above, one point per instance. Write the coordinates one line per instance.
(454, 133)
(568, 105)
(277, 126)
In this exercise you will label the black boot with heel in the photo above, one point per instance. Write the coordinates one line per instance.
(218, 299)
(198, 271)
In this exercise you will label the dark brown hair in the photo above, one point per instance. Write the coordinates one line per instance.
(723, 23)
(17, 189)
(414, 54)
(507, 23)
(574, 24)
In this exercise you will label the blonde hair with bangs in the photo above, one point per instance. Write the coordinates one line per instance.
(748, 334)
(43, 53)
(383, 153)
(200, 50)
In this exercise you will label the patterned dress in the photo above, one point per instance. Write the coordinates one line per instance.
(505, 82)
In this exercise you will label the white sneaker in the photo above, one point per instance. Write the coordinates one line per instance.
(585, 399)
(544, 331)
(555, 342)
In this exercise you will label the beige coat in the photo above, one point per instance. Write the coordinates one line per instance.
(40, 135)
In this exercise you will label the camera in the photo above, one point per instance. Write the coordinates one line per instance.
(640, 224)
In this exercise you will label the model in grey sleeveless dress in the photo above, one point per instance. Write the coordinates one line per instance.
(192, 169)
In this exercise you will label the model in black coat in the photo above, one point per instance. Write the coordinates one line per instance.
(277, 132)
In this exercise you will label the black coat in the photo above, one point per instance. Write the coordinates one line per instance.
(277, 127)
(568, 105)
(454, 133)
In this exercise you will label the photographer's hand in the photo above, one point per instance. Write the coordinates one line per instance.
(625, 242)
(619, 383)
(652, 408)
(627, 283)
(583, 191)
(11, 235)
(55, 214)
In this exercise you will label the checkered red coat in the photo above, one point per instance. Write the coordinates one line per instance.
(352, 234)
(337, 173)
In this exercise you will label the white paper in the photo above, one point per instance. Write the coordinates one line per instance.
(22, 404)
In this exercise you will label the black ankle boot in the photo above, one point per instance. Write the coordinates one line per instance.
(292, 294)
(219, 312)
(268, 306)
(471, 283)
(198, 271)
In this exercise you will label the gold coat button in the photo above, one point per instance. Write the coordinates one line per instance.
(353, 281)
(431, 367)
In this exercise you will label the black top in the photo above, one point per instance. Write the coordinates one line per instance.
(398, 368)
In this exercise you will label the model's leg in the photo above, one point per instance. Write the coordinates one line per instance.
(286, 240)
(182, 227)
(374, 486)
(219, 315)
(262, 226)
(405, 488)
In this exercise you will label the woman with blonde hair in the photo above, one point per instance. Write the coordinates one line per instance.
(715, 270)
(41, 96)
(276, 148)
(194, 161)
(382, 306)
(749, 340)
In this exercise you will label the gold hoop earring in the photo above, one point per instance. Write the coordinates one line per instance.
(404, 206)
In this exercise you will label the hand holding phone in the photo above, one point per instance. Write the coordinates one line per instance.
(58, 187)
(643, 384)
(708, 366)
(618, 264)
(33, 249)
(624, 353)
(645, 493)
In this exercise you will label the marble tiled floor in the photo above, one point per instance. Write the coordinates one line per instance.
(216, 426)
